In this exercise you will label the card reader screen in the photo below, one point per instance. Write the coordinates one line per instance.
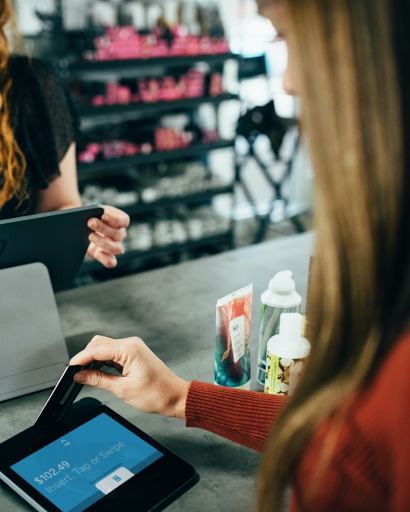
(80, 468)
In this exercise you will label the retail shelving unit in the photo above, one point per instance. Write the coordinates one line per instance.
(201, 197)
(102, 168)
(80, 68)
(157, 252)
(114, 168)
(150, 109)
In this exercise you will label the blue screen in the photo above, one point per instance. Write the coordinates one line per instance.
(80, 468)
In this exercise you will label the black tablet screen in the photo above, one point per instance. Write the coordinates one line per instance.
(80, 468)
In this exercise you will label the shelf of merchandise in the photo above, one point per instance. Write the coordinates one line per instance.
(168, 202)
(103, 168)
(149, 109)
(159, 251)
(114, 66)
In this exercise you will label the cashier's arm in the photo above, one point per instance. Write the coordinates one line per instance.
(145, 382)
(63, 194)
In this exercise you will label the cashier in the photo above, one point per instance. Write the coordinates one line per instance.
(38, 127)
(343, 439)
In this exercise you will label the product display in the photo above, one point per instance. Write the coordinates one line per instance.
(100, 144)
(286, 356)
(191, 178)
(93, 194)
(127, 43)
(191, 225)
(194, 179)
(166, 139)
(233, 330)
(148, 80)
(280, 298)
(192, 84)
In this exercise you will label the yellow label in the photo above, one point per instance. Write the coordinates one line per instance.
(273, 375)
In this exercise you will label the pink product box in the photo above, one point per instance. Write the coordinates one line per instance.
(160, 49)
(130, 52)
(131, 149)
(104, 54)
(223, 46)
(113, 149)
(90, 154)
(85, 158)
(111, 93)
(123, 33)
(124, 95)
(169, 139)
(98, 101)
(94, 148)
(126, 43)
(192, 46)
(216, 86)
(169, 94)
(115, 94)
(195, 92)
(102, 43)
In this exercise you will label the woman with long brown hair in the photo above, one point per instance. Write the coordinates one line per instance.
(343, 438)
(37, 148)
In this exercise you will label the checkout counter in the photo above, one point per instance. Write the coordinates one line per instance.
(173, 311)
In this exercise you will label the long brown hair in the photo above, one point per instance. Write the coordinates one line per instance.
(355, 114)
(12, 161)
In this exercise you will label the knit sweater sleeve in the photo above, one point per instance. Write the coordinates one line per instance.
(245, 417)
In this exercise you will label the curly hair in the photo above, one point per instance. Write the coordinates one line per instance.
(12, 160)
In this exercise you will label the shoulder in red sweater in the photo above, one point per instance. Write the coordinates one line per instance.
(370, 466)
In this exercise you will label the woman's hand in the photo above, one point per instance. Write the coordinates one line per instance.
(109, 233)
(146, 383)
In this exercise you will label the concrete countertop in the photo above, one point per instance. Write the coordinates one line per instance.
(173, 311)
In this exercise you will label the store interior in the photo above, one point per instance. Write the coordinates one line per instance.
(178, 329)
(183, 123)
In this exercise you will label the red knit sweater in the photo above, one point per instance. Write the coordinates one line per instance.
(370, 467)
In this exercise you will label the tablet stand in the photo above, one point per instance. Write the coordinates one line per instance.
(33, 353)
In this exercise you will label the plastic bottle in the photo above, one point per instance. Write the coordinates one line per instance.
(286, 355)
(281, 297)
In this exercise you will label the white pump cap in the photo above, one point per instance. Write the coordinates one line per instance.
(290, 328)
(282, 283)
(289, 343)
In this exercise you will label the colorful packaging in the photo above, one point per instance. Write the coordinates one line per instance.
(233, 331)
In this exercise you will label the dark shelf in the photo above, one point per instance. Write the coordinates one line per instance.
(223, 238)
(106, 167)
(148, 109)
(166, 62)
(141, 208)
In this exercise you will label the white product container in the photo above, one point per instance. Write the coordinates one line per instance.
(286, 356)
(280, 297)
(135, 12)
(104, 13)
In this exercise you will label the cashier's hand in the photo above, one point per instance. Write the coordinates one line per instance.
(145, 382)
(109, 233)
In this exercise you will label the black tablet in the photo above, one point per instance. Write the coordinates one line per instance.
(57, 239)
(99, 462)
